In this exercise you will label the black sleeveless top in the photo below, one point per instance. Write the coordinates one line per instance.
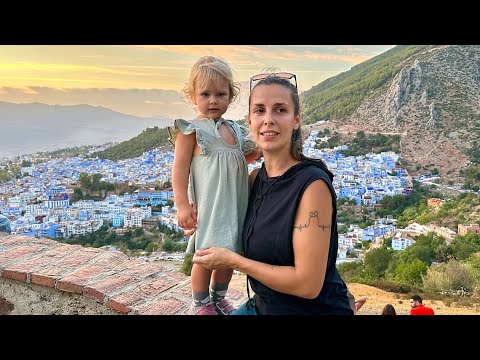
(267, 237)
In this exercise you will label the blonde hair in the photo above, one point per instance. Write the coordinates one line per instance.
(209, 69)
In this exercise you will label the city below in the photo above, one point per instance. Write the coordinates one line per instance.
(42, 202)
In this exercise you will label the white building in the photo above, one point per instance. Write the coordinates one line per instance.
(401, 243)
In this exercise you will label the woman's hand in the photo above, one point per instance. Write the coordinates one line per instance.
(213, 258)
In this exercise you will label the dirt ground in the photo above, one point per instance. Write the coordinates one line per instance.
(376, 298)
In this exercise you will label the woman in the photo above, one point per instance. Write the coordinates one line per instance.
(389, 310)
(290, 235)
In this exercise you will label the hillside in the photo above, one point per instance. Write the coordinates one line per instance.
(463, 210)
(426, 94)
(377, 299)
(148, 139)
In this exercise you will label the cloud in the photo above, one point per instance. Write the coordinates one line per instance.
(352, 59)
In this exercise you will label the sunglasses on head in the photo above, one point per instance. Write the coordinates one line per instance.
(263, 76)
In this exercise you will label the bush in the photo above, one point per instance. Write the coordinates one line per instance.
(447, 278)
(186, 267)
(392, 287)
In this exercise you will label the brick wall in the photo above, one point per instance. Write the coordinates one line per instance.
(42, 276)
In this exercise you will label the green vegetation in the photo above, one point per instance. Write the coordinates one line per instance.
(131, 240)
(352, 214)
(406, 206)
(472, 178)
(429, 265)
(363, 144)
(89, 185)
(339, 96)
(170, 245)
(11, 171)
(187, 265)
(148, 139)
(450, 213)
(67, 152)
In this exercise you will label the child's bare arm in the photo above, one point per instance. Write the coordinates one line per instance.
(253, 155)
(184, 145)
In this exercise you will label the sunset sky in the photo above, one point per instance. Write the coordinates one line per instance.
(145, 80)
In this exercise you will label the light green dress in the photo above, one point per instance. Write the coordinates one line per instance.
(218, 182)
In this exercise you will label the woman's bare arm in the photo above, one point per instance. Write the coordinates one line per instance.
(311, 242)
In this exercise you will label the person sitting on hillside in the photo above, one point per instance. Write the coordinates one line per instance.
(418, 308)
(388, 309)
(355, 304)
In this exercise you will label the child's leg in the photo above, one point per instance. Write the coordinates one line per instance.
(218, 290)
(200, 280)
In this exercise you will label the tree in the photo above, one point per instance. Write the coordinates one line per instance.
(350, 270)
(151, 247)
(138, 232)
(448, 277)
(388, 242)
(418, 251)
(84, 181)
(376, 262)
(411, 272)
(168, 245)
(77, 194)
(464, 246)
(342, 229)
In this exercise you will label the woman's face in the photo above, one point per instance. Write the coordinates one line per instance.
(271, 117)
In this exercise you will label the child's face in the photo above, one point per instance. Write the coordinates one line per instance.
(212, 102)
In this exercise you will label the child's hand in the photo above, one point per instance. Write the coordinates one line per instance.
(254, 155)
(187, 216)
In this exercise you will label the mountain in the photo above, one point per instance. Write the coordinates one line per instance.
(33, 127)
(148, 139)
(429, 95)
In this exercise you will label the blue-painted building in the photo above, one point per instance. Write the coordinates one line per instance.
(49, 230)
(118, 220)
(83, 215)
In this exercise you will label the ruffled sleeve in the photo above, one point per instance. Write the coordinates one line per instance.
(185, 127)
(247, 144)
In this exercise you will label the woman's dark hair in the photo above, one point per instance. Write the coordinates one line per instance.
(296, 148)
(389, 310)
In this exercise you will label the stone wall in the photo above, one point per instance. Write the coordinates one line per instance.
(42, 276)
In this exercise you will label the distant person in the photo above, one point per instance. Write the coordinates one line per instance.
(389, 310)
(210, 163)
(417, 307)
(290, 234)
(356, 304)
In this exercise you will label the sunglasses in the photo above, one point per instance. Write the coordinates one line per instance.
(281, 75)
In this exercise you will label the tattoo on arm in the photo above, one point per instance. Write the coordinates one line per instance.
(313, 214)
